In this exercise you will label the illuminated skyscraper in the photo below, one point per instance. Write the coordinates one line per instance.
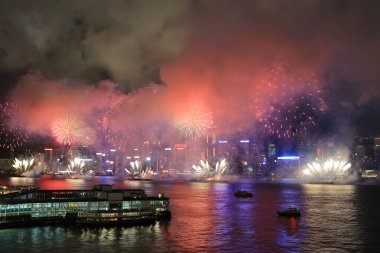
(180, 158)
(376, 146)
(271, 150)
(223, 149)
(287, 167)
(211, 146)
(244, 145)
(146, 149)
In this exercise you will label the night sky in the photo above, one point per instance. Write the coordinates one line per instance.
(134, 67)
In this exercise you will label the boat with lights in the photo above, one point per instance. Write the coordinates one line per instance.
(101, 206)
(289, 212)
(243, 194)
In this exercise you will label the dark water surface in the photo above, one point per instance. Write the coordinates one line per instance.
(206, 217)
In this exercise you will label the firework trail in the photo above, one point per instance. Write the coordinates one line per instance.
(195, 122)
(12, 127)
(114, 136)
(288, 104)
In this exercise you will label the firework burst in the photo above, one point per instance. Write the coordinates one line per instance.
(88, 137)
(69, 130)
(288, 104)
(77, 165)
(23, 165)
(327, 171)
(12, 127)
(195, 122)
(136, 169)
(221, 167)
(204, 169)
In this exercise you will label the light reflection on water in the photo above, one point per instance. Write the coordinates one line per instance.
(208, 218)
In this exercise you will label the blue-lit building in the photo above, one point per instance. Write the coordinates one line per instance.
(287, 167)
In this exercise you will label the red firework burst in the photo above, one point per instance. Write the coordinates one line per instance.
(288, 103)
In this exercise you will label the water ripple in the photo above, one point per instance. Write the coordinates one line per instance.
(208, 218)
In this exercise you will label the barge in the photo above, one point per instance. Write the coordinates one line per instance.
(101, 206)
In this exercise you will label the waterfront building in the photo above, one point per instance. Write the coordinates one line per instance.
(100, 206)
(287, 167)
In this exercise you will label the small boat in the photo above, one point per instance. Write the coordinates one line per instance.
(289, 212)
(243, 194)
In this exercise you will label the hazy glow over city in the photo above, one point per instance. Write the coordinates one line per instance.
(175, 76)
(249, 78)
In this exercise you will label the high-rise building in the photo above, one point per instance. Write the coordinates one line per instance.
(48, 160)
(244, 145)
(210, 153)
(301, 149)
(39, 161)
(223, 149)
(146, 149)
(376, 146)
(166, 159)
(180, 158)
(271, 150)
(287, 167)
(255, 150)
(359, 151)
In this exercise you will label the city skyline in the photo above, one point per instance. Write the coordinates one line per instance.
(244, 157)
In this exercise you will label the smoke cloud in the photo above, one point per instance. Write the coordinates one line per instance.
(126, 41)
(138, 65)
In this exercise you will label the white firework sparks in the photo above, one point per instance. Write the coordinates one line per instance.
(204, 169)
(327, 171)
(195, 122)
(70, 130)
(77, 165)
(23, 164)
(136, 169)
(221, 167)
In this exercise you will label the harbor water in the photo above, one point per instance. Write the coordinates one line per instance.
(207, 217)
